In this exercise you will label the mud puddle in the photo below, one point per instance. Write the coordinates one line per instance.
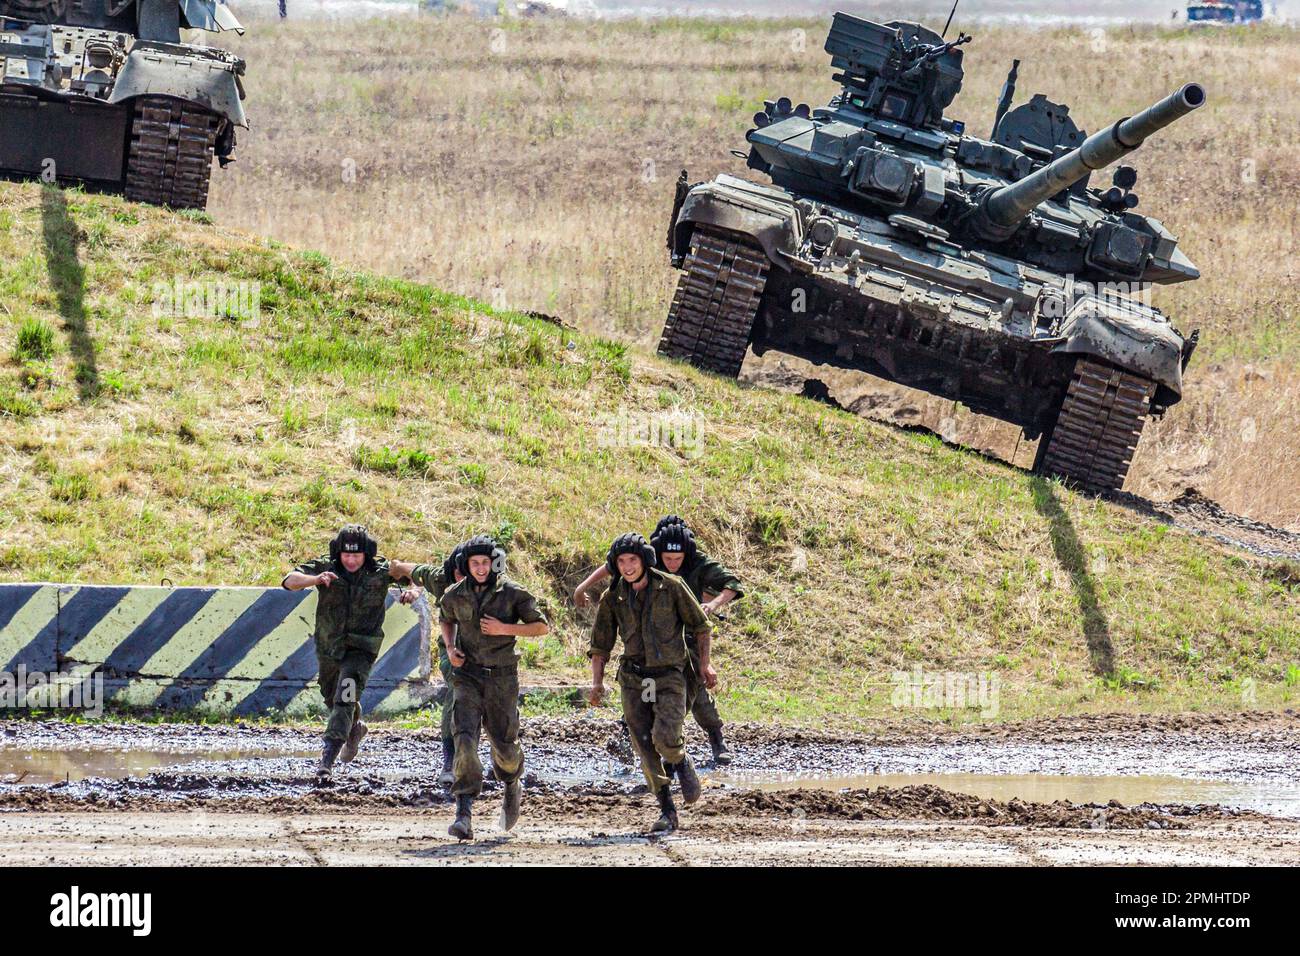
(43, 767)
(1274, 798)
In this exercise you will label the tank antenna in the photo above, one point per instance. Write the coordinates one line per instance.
(951, 13)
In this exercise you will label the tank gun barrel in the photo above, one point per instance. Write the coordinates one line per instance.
(1005, 207)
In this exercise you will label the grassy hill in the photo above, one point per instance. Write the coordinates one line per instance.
(141, 441)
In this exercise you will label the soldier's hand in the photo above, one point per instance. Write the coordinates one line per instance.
(456, 656)
(581, 598)
(326, 578)
(410, 595)
(710, 676)
(490, 625)
(596, 694)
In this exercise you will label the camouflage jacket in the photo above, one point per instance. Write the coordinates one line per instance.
(463, 605)
(350, 612)
(710, 577)
(432, 579)
(653, 626)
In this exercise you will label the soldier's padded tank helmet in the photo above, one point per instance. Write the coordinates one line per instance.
(630, 543)
(485, 546)
(668, 521)
(354, 539)
(675, 539)
(450, 566)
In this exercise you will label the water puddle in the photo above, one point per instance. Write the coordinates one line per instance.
(1272, 797)
(58, 766)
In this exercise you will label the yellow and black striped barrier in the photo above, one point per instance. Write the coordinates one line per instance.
(228, 651)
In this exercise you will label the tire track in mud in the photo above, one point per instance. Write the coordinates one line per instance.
(300, 841)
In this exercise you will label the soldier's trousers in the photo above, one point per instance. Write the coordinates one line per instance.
(444, 668)
(485, 703)
(654, 709)
(341, 684)
(700, 700)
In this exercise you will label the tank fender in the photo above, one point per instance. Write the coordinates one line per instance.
(206, 81)
(704, 205)
(1130, 337)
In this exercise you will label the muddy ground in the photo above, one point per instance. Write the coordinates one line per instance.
(242, 794)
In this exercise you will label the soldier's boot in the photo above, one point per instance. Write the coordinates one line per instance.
(721, 755)
(462, 829)
(328, 754)
(667, 821)
(353, 743)
(690, 782)
(447, 776)
(510, 806)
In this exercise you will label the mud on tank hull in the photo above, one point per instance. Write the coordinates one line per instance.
(152, 138)
(767, 268)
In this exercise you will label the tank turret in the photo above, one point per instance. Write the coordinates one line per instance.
(1004, 207)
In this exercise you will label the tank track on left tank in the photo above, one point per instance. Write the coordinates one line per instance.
(171, 151)
(717, 299)
(1098, 427)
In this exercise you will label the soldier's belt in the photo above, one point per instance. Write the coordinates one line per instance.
(481, 672)
(640, 670)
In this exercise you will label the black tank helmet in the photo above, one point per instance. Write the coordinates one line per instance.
(354, 538)
(675, 539)
(485, 546)
(630, 543)
(667, 521)
(449, 566)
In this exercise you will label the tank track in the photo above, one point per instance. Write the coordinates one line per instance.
(712, 314)
(1098, 427)
(171, 150)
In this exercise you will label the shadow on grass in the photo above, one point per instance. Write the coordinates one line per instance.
(68, 277)
(1070, 553)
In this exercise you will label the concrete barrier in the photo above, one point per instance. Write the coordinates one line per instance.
(222, 651)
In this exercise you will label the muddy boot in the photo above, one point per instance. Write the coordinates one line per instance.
(446, 778)
(667, 821)
(690, 783)
(461, 828)
(510, 806)
(328, 754)
(721, 755)
(357, 734)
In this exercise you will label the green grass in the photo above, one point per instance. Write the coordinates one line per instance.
(865, 551)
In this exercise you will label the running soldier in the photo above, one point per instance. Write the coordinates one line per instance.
(352, 584)
(651, 611)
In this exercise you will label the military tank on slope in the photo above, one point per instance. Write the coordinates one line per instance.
(103, 92)
(987, 271)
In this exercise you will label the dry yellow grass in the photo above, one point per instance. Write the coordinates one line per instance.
(532, 167)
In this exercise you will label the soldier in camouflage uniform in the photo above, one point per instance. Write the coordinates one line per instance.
(352, 585)
(436, 579)
(675, 548)
(713, 586)
(481, 617)
(651, 610)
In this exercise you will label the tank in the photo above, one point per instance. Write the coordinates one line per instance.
(984, 270)
(104, 93)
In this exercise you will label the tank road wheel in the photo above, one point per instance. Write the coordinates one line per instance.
(170, 157)
(1097, 428)
(712, 315)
